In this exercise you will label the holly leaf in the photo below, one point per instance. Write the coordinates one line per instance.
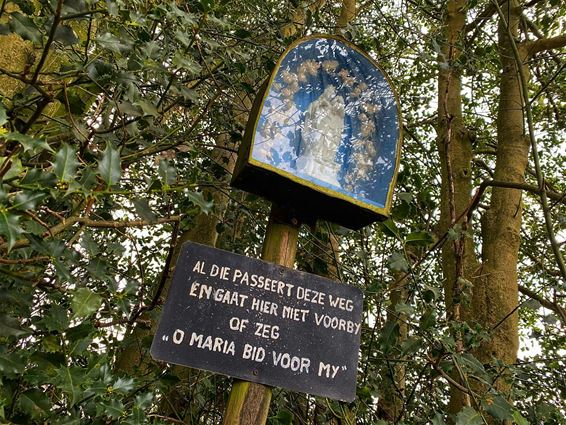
(123, 385)
(56, 318)
(113, 408)
(147, 108)
(34, 402)
(10, 326)
(144, 210)
(197, 198)
(389, 335)
(390, 228)
(65, 165)
(69, 380)
(10, 228)
(64, 34)
(28, 200)
(419, 239)
(11, 364)
(25, 27)
(397, 261)
(3, 116)
(85, 302)
(468, 416)
(109, 166)
(498, 407)
(167, 172)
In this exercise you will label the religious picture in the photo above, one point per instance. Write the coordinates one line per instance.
(329, 117)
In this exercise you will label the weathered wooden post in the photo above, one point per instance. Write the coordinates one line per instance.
(322, 142)
(249, 402)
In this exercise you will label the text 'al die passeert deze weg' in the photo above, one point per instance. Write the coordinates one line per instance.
(308, 299)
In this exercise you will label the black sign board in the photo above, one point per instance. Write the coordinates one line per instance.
(261, 322)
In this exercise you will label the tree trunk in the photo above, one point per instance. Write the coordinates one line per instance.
(459, 262)
(392, 385)
(495, 300)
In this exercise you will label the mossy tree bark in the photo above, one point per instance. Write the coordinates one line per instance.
(495, 299)
(494, 281)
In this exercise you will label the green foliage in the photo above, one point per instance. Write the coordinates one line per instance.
(107, 157)
(469, 416)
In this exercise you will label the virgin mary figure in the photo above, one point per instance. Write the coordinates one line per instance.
(321, 136)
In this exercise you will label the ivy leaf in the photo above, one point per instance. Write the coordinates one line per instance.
(438, 420)
(85, 302)
(109, 166)
(65, 165)
(498, 407)
(10, 228)
(468, 416)
(284, 417)
(34, 403)
(197, 198)
(519, 419)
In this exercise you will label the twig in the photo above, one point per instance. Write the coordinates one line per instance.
(109, 224)
(50, 38)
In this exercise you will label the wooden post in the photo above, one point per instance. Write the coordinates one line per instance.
(249, 402)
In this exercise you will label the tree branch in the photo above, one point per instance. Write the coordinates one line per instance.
(544, 44)
(87, 222)
(50, 38)
(559, 310)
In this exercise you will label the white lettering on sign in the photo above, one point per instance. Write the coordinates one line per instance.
(341, 303)
(329, 370)
(220, 295)
(237, 324)
(336, 323)
(220, 272)
(256, 354)
(296, 314)
(178, 336)
(267, 331)
(288, 361)
(212, 344)
(262, 282)
(199, 267)
(310, 295)
(263, 306)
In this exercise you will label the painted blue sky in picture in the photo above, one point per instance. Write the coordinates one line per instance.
(330, 117)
